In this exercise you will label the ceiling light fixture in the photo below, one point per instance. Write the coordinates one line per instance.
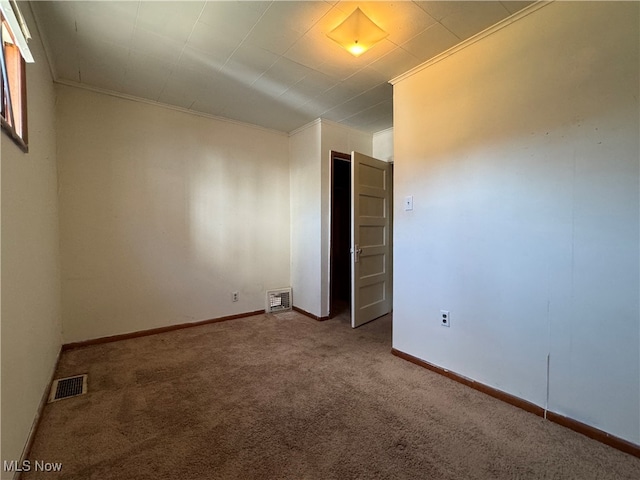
(357, 33)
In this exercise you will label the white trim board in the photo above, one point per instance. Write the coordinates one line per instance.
(133, 98)
(470, 41)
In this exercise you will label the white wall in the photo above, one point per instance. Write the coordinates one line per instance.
(30, 260)
(310, 151)
(522, 154)
(304, 153)
(164, 214)
(383, 145)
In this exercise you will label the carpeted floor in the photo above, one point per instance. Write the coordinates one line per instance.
(285, 397)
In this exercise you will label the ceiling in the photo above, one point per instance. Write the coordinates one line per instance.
(265, 63)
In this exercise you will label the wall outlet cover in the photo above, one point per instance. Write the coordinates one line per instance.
(408, 202)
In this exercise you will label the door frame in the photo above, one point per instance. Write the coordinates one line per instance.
(340, 157)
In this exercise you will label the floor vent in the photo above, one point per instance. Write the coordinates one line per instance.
(68, 387)
(278, 300)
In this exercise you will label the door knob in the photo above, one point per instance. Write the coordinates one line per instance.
(356, 254)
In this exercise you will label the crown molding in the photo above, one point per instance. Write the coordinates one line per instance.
(470, 41)
(386, 130)
(332, 123)
(48, 57)
(133, 98)
(305, 126)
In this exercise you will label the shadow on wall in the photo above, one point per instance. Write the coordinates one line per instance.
(165, 214)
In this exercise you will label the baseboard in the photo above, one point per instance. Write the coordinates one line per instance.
(575, 425)
(154, 331)
(494, 392)
(594, 433)
(310, 315)
(36, 421)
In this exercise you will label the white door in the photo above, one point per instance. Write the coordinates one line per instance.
(370, 239)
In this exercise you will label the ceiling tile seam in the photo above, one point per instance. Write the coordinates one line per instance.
(391, 55)
(382, 132)
(437, 21)
(364, 110)
(293, 61)
(449, 30)
(313, 69)
(184, 46)
(245, 38)
(291, 88)
(310, 99)
(341, 125)
(341, 103)
(312, 123)
(326, 112)
(311, 102)
(427, 29)
(289, 60)
(370, 64)
(76, 53)
(338, 81)
(45, 43)
(263, 73)
(397, 46)
(420, 7)
(355, 96)
(314, 83)
(505, 22)
(462, 39)
(134, 98)
(313, 25)
(306, 67)
(505, 7)
(76, 42)
(135, 26)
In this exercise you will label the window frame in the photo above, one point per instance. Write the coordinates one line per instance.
(9, 117)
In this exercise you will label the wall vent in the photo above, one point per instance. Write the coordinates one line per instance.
(68, 387)
(279, 300)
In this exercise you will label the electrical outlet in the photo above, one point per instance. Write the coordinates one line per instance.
(445, 318)
(234, 296)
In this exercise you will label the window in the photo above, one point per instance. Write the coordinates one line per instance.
(13, 92)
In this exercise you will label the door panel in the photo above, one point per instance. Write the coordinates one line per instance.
(370, 239)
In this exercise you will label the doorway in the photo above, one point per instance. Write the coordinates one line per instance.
(339, 252)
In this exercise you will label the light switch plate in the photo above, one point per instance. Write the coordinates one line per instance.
(408, 202)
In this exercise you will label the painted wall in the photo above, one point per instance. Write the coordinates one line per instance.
(310, 152)
(521, 152)
(30, 272)
(163, 214)
(304, 153)
(383, 145)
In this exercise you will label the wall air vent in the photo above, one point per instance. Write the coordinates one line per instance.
(279, 300)
(68, 387)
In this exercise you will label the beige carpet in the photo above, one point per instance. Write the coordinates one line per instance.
(286, 397)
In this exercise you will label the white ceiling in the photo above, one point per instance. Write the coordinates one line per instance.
(265, 63)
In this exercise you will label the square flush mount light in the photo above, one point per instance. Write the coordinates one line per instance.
(357, 33)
